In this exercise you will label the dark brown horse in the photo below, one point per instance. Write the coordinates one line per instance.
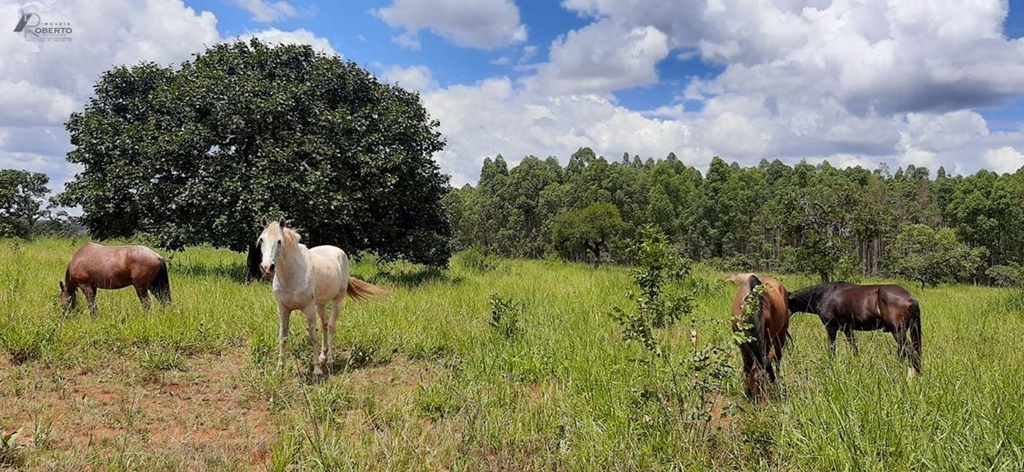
(112, 267)
(770, 326)
(847, 307)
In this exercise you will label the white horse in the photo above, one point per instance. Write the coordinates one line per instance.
(306, 279)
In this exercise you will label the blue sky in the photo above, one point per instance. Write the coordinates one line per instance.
(854, 82)
(355, 31)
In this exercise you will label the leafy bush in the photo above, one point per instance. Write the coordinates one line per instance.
(930, 257)
(1004, 276)
(475, 259)
(680, 388)
(505, 314)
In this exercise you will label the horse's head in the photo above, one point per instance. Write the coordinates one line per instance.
(275, 239)
(67, 300)
(803, 301)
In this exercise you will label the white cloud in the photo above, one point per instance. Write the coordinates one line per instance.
(267, 11)
(602, 57)
(1004, 160)
(41, 84)
(483, 24)
(25, 104)
(417, 78)
(519, 122)
(843, 161)
(861, 81)
(408, 41)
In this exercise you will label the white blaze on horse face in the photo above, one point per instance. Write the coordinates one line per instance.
(271, 241)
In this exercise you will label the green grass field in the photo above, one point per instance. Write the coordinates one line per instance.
(422, 381)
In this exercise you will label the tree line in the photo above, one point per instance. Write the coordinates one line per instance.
(817, 219)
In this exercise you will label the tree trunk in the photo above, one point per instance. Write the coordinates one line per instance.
(595, 248)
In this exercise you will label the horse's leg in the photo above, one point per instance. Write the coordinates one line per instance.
(832, 331)
(90, 295)
(778, 343)
(848, 330)
(143, 294)
(72, 291)
(899, 333)
(321, 311)
(310, 311)
(332, 324)
(282, 317)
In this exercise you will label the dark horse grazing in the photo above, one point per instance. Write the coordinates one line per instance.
(112, 267)
(848, 307)
(770, 327)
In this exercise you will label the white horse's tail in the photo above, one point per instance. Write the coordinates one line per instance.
(359, 290)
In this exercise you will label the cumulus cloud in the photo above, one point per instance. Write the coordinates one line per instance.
(871, 56)
(418, 78)
(1005, 159)
(520, 122)
(602, 57)
(267, 12)
(854, 82)
(483, 24)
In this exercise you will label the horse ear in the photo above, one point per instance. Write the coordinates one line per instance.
(283, 223)
(61, 285)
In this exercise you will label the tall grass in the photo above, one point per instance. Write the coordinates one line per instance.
(426, 379)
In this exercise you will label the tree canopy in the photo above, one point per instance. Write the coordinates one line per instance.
(202, 152)
(589, 229)
(22, 201)
(931, 256)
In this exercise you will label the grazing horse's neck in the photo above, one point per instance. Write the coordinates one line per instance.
(806, 300)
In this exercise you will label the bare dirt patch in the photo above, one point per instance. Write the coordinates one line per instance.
(213, 415)
(121, 409)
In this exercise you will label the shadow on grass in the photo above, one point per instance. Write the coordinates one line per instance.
(349, 362)
(235, 271)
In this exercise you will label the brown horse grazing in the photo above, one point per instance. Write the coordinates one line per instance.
(848, 307)
(95, 266)
(770, 326)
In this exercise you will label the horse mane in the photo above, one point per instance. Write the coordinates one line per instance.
(291, 237)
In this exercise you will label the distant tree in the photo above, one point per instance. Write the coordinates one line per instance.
(202, 152)
(823, 224)
(22, 201)
(592, 229)
(931, 256)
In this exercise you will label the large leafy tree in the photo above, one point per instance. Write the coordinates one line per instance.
(201, 153)
(22, 201)
(591, 229)
(931, 256)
